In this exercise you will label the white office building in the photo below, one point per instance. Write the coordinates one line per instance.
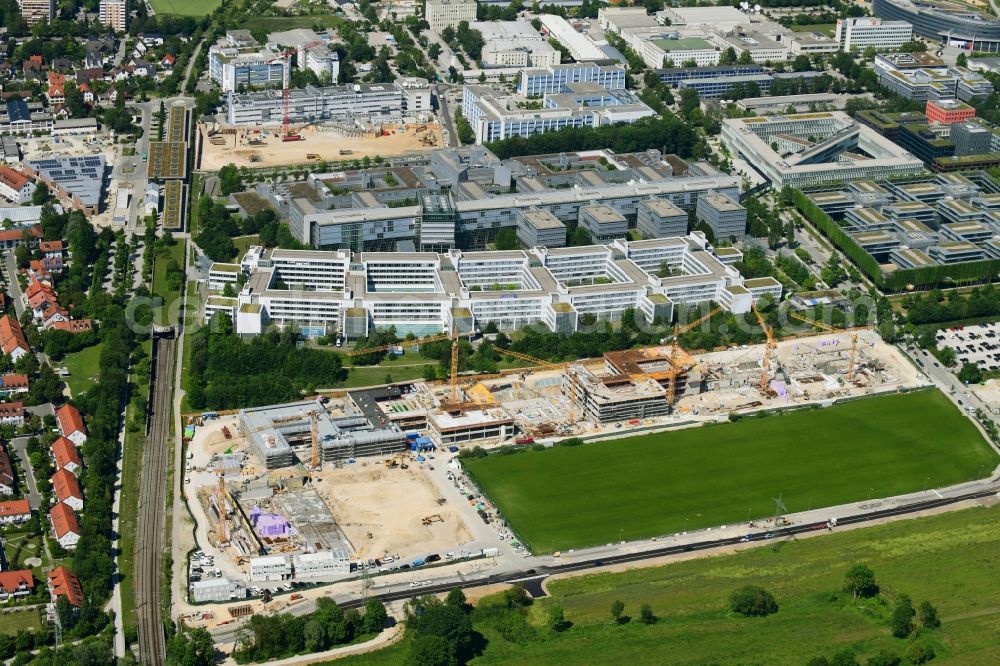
(867, 32)
(321, 564)
(556, 78)
(237, 61)
(444, 13)
(425, 293)
(515, 44)
(216, 590)
(312, 104)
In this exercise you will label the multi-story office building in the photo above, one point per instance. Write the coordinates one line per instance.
(922, 76)
(603, 223)
(672, 76)
(537, 227)
(660, 218)
(948, 111)
(964, 28)
(715, 87)
(515, 44)
(866, 32)
(426, 293)
(34, 11)
(972, 138)
(444, 13)
(815, 148)
(114, 14)
(238, 61)
(311, 104)
(582, 105)
(557, 78)
(725, 217)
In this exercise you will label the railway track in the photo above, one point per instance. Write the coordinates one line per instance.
(152, 508)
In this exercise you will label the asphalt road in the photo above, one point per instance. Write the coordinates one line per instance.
(152, 501)
(20, 445)
(532, 578)
(10, 268)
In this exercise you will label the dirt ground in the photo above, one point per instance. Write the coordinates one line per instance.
(327, 143)
(388, 504)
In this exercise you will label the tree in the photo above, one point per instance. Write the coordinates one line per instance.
(884, 658)
(745, 58)
(844, 658)
(556, 619)
(920, 653)
(901, 620)
(506, 239)
(859, 582)
(617, 608)
(375, 616)
(947, 356)
(928, 615)
(646, 615)
(962, 60)
(315, 635)
(456, 598)
(429, 650)
(191, 647)
(728, 57)
(229, 180)
(41, 195)
(970, 373)
(752, 601)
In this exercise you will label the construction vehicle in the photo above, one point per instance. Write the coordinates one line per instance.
(435, 518)
(313, 156)
(768, 350)
(852, 359)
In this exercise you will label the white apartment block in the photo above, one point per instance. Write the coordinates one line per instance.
(114, 14)
(426, 293)
(321, 564)
(865, 32)
(444, 13)
(34, 11)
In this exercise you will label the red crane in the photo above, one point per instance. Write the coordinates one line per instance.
(286, 132)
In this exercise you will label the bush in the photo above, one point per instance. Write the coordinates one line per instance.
(884, 658)
(920, 653)
(901, 620)
(752, 601)
(928, 615)
(859, 582)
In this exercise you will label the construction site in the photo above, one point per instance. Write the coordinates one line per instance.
(256, 148)
(350, 476)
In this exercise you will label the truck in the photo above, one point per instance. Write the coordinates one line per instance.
(291, 137)
(491, 552)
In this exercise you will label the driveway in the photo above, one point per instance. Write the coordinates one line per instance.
(20, 446)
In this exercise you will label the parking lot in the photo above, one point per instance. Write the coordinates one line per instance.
(979, 344)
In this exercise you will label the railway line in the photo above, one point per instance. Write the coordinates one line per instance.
(152, 509)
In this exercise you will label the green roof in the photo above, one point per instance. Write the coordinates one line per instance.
(226, 268)
(562, 307)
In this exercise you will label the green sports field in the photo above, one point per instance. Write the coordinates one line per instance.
(643, 486)
(185, 7)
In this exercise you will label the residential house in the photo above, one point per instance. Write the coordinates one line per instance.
(12, 384)
(53, 251)
(15, 187)
(67, 489)
(71, 424)
(86, 93)
(64, 583)
(12, 413)
(44, 304)
(56, 93)
(66, 456)
(15, 584)
(6, 473)
(167, 61)
(11, 238)
(14, 511)
(65, 525)
(12, 339)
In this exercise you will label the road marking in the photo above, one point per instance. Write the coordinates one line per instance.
(938, 494)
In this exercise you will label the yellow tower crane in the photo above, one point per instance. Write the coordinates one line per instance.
(314, 432)
(852, 359)
(768, 350)
(675, 348)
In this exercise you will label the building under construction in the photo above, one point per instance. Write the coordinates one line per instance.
(276, 430)
(614, 397)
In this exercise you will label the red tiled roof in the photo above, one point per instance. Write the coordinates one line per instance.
(12, 179)
(64, 583)
(14, 508)
(6, 470)
(66, 485)
(73, 325)
(70, 420)
(11, 335)
(51, 246)
(64, 520)
(10, 581)
(12, 408)
(64, 451)
(14, 381)
(8, 235)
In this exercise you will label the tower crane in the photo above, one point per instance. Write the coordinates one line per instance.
(675, 351)
(768, 350)
(315, 462)
(286, 58)
(401, 343)
(852, 359)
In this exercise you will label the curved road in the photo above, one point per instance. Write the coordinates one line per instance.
(152, 506)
